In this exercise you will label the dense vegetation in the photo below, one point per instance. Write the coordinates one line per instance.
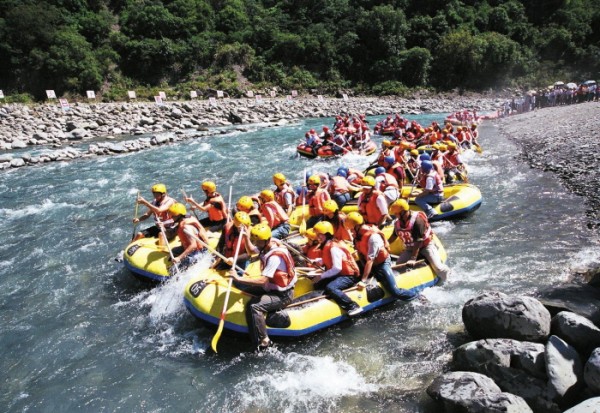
(378, 46)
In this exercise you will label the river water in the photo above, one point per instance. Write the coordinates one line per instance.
(79, 333)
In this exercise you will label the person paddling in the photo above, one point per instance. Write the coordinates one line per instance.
(274, 289)
(413, 228)
(189, 231)
(214, 205)
(159, 207)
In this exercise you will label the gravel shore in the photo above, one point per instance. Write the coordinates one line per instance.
(563, 140)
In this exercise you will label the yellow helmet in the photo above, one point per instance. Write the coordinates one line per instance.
(209, 186)
(279, 179)
(314, 180)
(323, 227)
(330, 206)
(311, 234)
(368, 181)
(354, 218)
(451, 145)
(159, 188)
(414, 152)
(245, 204)
(177, 209)
(386, 143)
(442, 147)
(241, 218)
(260, 232)
(267, 195)
(399, 205)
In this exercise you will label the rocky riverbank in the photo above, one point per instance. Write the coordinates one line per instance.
(116, 127)
(563, 140)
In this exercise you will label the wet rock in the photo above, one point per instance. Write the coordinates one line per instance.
(18, 144)
(576, 330)
(563, 367)
(588, 406)
(17, 163)
(526, 356)
(473, 392)
(580, 299)
(591, 372)
(496, 315)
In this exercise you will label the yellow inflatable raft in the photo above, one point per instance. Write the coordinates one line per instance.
(310, 310)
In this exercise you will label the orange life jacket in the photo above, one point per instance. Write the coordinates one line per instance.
(349, 266)
(165, 216)
(340, 232)
(404, 229)
(282, 280)
(231, 234)
(338, 185)
(438, 186)
(312, 251)
(451, 160)
(362, 243)
(368, 207)
(316, 201)
(280, 194)
(388, 180)
(215, 213)
(274, 214)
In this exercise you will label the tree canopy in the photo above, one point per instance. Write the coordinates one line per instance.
(75, 45)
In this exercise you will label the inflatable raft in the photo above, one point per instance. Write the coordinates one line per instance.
(149, 262)
(459, 200)
(310, 311)
(330, 151)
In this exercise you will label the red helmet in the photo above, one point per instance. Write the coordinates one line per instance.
(312, 131)
(325, 129)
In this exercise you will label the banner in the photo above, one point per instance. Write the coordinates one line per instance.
(158, 100)
(131, 94)
(259, 100)
(294, 93)
(273, 94)
(320, 98)
(1, 94)
(162, 95)
(64, 104)
(91, 94)
(345, 96)
(250, 94)
(212, 101)
(289, 99)
(193, 94)
(51, 94)
(220, 93)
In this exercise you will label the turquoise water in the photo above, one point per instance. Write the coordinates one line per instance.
(79, 333)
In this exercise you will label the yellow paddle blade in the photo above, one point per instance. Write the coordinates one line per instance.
(302, 229)
(478, 149)
(217, 336)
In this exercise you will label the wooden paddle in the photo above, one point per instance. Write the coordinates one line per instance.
(135, 215)
(164, 234)
(301, 255)
(217, 336)
(193, 210)
(302, 228)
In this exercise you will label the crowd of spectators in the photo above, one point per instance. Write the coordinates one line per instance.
(558, 95)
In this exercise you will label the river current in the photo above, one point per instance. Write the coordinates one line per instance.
(79, 334)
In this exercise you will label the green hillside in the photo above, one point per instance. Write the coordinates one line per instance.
(371, 46)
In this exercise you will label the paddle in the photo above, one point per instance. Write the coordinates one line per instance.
(214, 251)
(135, 215)
(229, 204)
(164, 234)
(193, 210)
(301, 255)
(302, 228)
(414, 183)
(217, 335)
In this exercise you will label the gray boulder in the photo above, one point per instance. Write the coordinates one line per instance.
(17, 163)
(576, 330)
(563, 366)
(526, 356)
(588, 406)
(497, 315)
(472, 392)
(591, 372)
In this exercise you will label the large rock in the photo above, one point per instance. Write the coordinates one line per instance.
(471, 392)
(526, 356)
(591, 372)
(563, 367)
(588, 406)
(576, 330)
(497, 315)
(581, 299)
